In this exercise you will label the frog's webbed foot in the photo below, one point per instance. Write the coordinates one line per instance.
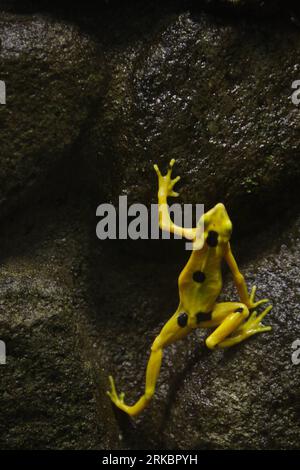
(253, 325)
(252, 303)
(166, 183)
(250, 327)
(118, 400)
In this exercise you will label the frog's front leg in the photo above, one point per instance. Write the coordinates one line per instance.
(240, 282)
(175, 329)
(166, 189)
(233, 327)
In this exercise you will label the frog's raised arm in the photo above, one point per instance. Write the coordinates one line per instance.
(165, 189)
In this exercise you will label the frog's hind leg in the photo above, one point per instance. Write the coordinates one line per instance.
(252, 326)
(232, 327)
(176, 328)
(229, 316)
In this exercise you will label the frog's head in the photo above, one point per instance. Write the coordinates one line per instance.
(217, 226)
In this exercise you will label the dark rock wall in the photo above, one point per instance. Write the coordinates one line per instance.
(94, 98)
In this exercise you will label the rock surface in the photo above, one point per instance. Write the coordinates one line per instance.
(53, 74)
(49, 388)
(213, 93)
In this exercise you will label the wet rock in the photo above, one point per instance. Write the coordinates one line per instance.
(53, 74)
(46, 389)
(242, 398)
(215, 95)
(49, 388)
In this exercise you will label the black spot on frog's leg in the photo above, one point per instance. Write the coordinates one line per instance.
(212, 238)
(239, 310)
(199, 276)
(203, 316)
(182, 320)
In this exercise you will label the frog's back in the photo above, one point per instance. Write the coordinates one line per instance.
(200, 282)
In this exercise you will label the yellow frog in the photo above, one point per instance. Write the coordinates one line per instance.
(199, 284)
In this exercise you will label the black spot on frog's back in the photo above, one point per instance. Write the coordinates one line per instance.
(203, 316)
(182, 320)
(199, 276)
(212, 238)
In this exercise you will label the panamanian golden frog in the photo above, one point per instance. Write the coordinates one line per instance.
(199, 285)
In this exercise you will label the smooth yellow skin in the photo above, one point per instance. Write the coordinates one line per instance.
(197, 306)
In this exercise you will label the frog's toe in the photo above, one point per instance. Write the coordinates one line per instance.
(260, 302)
(253, 324)
(112, 393)
(263, 314)
(157, 170)
(171, 164)
(118, 400)
(254, 304)
(252, 295)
